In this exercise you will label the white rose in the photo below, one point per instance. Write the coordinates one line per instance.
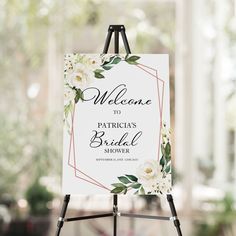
(149, 173)
(95, 62)
(69, 95)
(80, 76)
(148, 170)
(92, 62)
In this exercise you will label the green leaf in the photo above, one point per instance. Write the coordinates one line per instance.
(119, 185)
(117, 190)
(163, 149)
(132, 177)
(132, 60)
(168, 158)
(107, 67)
(98, 71)
(135, 185)
(98, 75)
(124, 180)
(108, 62)
(167, 149)
(167, 169)
(67, 109)
(142, 191)
(82, 95)
(77, 96)
(111, 59)
(105, 63)
(162, 161)
(116, 60)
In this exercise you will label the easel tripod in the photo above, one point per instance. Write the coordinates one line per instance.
(115, 213)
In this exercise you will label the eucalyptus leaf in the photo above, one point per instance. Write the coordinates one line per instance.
(163, 149)
(117, 190)
(132, 60)
(162, 161)
(132, 177)
(111, 58)
(124, 180)
(98, 75)
(136, 185)
(78, 95)
(116, 60)
(167, 169)
(168, 158)
(98, 71)
(108, 62)
(119, 185)
(67, 109)
(82, 95)
(168, 149)
(107, 67)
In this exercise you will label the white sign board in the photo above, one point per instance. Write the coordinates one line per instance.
(116, 124)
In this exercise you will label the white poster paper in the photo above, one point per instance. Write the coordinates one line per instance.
(116, 124)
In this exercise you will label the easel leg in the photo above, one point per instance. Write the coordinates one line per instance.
(115, 210)
(62, 215)
(174, 214)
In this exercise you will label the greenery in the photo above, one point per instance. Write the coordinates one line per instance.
(107, 65)
(25, 150)
(165, 160)
(38, 197)
(128, 182)
(219, 223)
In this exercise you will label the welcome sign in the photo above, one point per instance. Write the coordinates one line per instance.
(116, 124)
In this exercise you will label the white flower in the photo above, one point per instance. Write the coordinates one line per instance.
(148, 170)
(165, 132)
(149, 173)
(93, 61)
(80, 76)
(69, 62)
(165, 184)
(69, 95)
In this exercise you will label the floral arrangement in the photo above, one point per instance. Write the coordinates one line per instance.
(80, 70)
(153, 177)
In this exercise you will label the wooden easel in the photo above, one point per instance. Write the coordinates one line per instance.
(115, 213)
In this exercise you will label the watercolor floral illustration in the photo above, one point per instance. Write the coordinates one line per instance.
(152, 177)
(80, 70)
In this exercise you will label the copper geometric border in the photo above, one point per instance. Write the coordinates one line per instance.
(92, 180)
